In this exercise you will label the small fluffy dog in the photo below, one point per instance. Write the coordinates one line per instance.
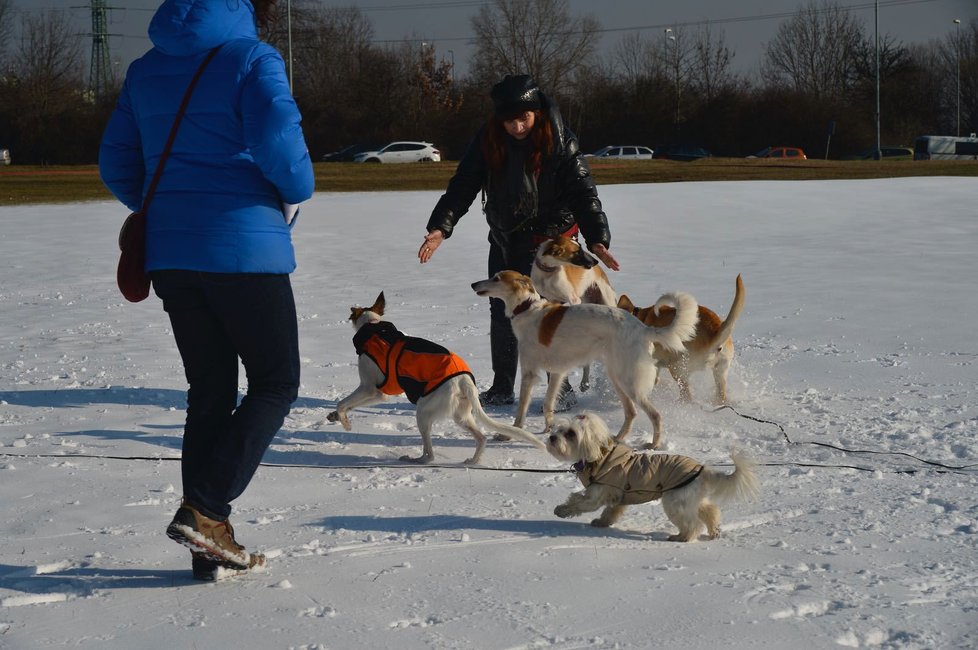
(439, 382)
(614, 477)
(565, 272)
(711, 348)
(557, 338)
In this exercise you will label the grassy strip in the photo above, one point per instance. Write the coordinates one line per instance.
(25, 184)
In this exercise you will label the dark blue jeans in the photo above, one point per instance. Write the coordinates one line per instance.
(217, 319)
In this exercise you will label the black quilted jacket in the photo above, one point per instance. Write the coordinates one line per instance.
(566, 191)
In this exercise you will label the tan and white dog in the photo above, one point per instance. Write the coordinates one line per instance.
(711, 348)
(615, 476)
(439, 382)
(557, 338)
(565, 272)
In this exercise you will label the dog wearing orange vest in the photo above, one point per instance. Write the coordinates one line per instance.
(439, 382)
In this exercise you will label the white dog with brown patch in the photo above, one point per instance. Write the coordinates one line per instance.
(565, 272)
(557, 338)
(615, 476)
(439, 382)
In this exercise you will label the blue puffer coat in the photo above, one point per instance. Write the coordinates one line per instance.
(239, 152)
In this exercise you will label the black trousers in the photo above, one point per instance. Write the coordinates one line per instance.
(514, 254)
(217, 319)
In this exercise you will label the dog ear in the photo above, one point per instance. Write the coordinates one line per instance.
(379, 304)
(624, 302)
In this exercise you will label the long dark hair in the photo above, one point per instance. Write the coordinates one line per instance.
(266, 13)
(541, 139)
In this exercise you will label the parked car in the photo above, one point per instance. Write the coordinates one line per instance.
(893, 153)
(347, 153)
(626, 152)
(791, 153)
(401, 152)
(4, 156)
(680, 152)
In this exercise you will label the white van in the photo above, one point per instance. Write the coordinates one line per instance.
(945, 147)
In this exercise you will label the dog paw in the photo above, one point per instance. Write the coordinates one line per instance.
(501, 437)
(600, 523)
(563, 511)
(333, 416)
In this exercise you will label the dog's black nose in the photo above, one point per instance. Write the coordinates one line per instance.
(552, 438)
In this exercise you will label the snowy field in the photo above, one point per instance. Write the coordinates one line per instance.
(858, 332)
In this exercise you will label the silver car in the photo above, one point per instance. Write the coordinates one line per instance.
(626, 152)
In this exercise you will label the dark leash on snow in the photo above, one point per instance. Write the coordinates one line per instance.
(827, 445)
(540, 470)
(379, 465)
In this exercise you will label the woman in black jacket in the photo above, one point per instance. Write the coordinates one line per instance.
(535, 185)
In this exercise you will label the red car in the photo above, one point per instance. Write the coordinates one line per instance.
(791, 153)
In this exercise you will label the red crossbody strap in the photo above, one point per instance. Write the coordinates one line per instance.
(173, 130)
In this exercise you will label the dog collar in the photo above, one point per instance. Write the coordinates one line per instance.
(543, 267)
(522, 307)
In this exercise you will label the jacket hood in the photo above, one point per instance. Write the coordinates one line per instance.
(189, 27)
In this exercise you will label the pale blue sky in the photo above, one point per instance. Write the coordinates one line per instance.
(747, 24)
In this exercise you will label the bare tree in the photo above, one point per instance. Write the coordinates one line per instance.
(46, 83)
(710, 65)
(815, 51)
(6, 26)
(536, 37)
(635, 58)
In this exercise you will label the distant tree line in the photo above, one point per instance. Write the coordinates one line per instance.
(678, 86)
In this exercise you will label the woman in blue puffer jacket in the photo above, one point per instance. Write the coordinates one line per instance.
(218, 243)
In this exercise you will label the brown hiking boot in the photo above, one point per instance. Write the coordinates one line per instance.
(210, 539)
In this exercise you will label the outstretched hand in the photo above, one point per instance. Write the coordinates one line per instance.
(430, 244)
(602, 254)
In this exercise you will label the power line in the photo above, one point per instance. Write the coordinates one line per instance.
(637, 28)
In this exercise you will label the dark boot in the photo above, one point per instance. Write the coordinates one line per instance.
(503, 345)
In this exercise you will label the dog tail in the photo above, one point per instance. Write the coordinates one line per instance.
(471, 394)
(726, 329)
(742, 485)
(683, 325)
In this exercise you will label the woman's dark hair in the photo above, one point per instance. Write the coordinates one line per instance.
(266, 13)
(541, 139)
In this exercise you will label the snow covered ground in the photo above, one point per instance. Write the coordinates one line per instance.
(858, 332)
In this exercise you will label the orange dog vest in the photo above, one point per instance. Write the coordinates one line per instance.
(410, 365)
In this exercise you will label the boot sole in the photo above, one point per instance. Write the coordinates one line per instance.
(185, 536)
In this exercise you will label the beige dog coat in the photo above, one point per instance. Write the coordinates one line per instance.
(640, 477)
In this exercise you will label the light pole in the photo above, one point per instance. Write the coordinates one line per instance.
(451, 53)
(671, 37)
(877, 155)
(957, 49)
(288, 13)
